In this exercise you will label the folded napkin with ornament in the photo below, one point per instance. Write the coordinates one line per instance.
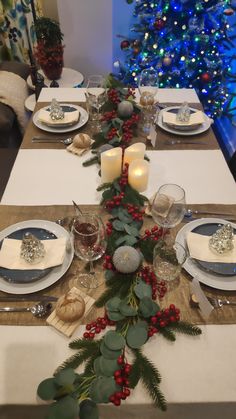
(69, 118)
(200, 249)
(195, 118)
(54, 253)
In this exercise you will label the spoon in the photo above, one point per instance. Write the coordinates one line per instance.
(66, 141)
(40, 309)
(189, 213)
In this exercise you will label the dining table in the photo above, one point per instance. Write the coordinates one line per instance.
(198, 373)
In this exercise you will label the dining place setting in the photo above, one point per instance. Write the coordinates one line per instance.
(130, 244)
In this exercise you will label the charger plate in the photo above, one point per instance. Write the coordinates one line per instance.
(198, 130)
(212, 279)
(54, 274)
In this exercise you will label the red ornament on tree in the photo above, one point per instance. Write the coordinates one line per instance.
(205, 77)
(125, 44)
(228, 12)
(159, 24)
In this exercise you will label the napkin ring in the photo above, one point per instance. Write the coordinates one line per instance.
(32, 249)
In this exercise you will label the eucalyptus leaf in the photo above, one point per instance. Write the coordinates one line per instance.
(115, 141)
(133, 231)
(148, 307)
(127, 310)
(121, 240)
(97, 367)
(118, 225)
(107, 366)
(65, 408)
(117, 186)
(102, 388)
(136, 336)
(130, 240)
(47, 389)
(65, 377)
(115, 316)
(113, 304)
(109, 274)
(88, 410)
(114, 340)
(143, 290)
(108, 353)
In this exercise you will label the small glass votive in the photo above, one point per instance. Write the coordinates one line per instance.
(168, 260)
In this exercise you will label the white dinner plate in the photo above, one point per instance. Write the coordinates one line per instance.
(82, 121)
(55, 273)
(201, 128)
(220, 282)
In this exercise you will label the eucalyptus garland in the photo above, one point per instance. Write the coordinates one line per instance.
(114, 364)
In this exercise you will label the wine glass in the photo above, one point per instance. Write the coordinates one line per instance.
(88, 233)
(96, 97)
(168, 207)
(148, 87)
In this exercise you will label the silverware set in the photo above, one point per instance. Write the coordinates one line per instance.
(218, 302)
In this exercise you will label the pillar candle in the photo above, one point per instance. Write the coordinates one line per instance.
(111, 161)
(134, 152)
(138, 174)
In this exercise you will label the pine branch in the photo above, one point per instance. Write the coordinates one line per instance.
(85, 344)
(150, 377)
(90, 161)
(168, 334)
(75, 360)
(108, 293)
(104, 186)
(186, 328)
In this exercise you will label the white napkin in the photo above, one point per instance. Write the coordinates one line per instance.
(198, 246)
(69, 118)
(196, 118)
(54, 254)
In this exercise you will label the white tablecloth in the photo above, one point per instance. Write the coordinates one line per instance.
(50, 177)
(199, 374)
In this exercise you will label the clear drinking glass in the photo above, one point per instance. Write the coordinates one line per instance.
(96, 97)
(148, 87)
(89, 240)
(168, 260)
(168, 207)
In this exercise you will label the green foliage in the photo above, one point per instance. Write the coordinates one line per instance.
(186, 328)
(88, 409)
(146, 247)
(49, 31)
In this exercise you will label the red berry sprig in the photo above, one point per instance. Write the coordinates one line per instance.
(108, 264)
(135, 212)
(163, 318)
(131, 92)
(121, 377)
(114, 202)
(158, 287)
(97, 326)
(124, 176)
(114, 96)
(154, 234)
(108, 116)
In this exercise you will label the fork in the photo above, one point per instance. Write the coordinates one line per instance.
(218, 303)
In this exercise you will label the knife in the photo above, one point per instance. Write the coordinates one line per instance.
(46, 140)
(28, 297)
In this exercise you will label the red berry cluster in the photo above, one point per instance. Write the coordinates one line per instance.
(135, 212)
(121, 378)
(97, 326)
(158, 287)
(131, 92)
(154, 234)
(124, 176)
(126, 127)
(163, 318)
(114, 96)
(112, 133)
(114, 202)
(108, 263)
(107, 116)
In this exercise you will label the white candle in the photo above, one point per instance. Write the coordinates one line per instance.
(111, 161)
(134, 152)
(138, 174)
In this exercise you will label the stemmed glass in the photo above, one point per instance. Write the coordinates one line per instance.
(88, 233)
(96, 97)
(148, 87)
(168, 207)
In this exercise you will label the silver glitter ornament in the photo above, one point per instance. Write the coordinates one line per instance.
(56, 112)
(32, 249)
(222, 241)
(183, 114)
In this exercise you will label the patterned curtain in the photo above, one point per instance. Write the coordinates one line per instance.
(16, 29)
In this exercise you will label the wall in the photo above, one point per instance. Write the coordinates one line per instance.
(50, 9)
(87, 28)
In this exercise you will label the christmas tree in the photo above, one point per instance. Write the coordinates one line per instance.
(187, 41)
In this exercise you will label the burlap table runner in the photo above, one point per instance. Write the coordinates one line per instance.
(180, 296)
(204, 141)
